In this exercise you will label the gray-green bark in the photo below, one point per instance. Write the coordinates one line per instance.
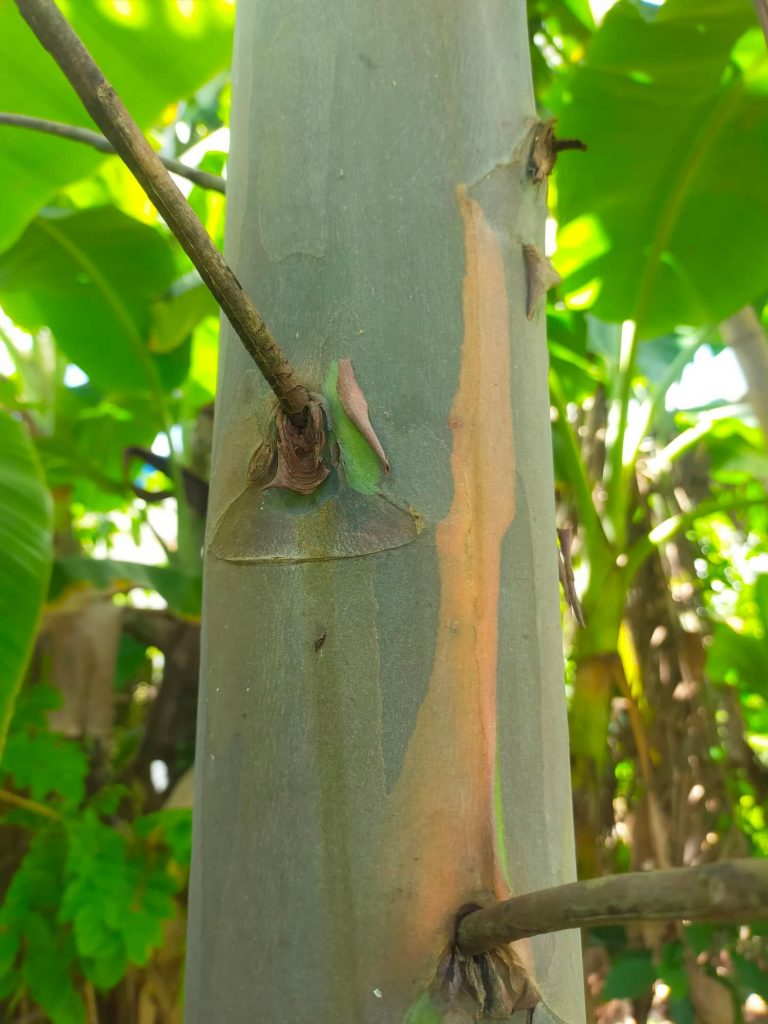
(382, 738)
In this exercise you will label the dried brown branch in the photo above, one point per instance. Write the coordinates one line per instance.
(109, 113)
(733, 890)
(74, 133)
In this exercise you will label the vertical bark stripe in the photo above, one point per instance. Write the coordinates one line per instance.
(443, 802)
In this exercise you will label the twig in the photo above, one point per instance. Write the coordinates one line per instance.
(28, 805)
(109, 113)
(74, 133)
(731, 891)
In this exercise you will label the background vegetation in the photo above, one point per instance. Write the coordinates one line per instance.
(106, 402)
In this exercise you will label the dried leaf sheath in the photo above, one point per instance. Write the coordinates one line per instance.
(356, 407)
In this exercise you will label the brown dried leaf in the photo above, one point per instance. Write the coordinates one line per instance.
(356, 407)
(540, 277)
(81, 653)
(518, 984)
(300, 465)
(489, 986)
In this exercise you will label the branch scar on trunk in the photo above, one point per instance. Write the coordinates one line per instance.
(540, 277)
(545, 147)
(300, 465)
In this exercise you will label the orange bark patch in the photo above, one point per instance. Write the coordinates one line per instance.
(443, 803)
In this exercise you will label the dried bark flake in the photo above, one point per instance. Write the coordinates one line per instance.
(356, 407)
(540, 277)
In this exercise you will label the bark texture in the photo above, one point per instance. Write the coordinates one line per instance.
(383, 737)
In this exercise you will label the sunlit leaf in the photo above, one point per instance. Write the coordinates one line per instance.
(91, 277)
(25, 558)
(662, 219)
(183, 50)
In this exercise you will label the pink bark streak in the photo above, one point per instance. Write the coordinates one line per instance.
(443, 804)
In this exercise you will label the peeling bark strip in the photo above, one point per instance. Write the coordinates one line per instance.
(443, 802)
(356, 407)
(540, 276)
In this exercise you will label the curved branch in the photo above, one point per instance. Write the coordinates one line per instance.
(107, 110)
(731, 891)
(77, 134)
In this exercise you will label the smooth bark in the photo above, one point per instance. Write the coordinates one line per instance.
(382, 738)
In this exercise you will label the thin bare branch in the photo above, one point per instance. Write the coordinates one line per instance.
(109, 113)
(731, 891)
(7, 797)
(74, 133)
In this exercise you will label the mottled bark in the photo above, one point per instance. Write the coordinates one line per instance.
(382, 739)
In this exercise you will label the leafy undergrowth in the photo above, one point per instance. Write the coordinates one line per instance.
(91, 890)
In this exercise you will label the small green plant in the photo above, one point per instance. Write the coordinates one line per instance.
(90, 886)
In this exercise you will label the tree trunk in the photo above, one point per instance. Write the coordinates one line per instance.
(382, 738)
(746, 336)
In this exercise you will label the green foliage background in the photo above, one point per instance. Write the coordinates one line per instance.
(660, 224)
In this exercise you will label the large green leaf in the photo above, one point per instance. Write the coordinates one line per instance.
(630, 976)
(84, 453)
(153, 53)
(663, 219)
(91, 277)
(25, 558)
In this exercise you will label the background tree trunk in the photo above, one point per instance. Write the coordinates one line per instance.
(382, 739)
